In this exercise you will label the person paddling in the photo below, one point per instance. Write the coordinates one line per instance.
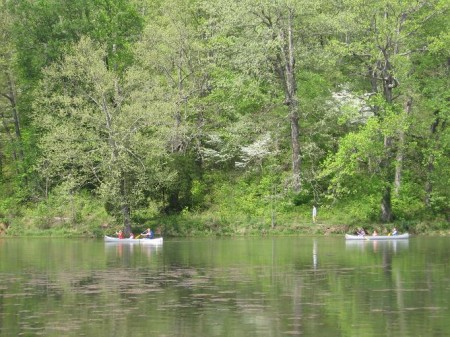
(120, 234)
(361, 232)
(148, 234)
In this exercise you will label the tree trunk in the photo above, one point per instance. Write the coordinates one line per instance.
(400, 151)
(389, 83)
(15, 113)
(296, 160)
(291, 101)
(10, 136)
(122, 198)
(126, 219)
(177, 137)
(125, 207)
(428, 184)
(389, 173)
(284, 66)
(430, 166)
(386, 206)
(386, 210)
(15, 138)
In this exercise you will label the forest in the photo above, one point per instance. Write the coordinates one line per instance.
(224, 117)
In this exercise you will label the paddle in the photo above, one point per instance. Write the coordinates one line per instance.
(147, 235)
(137, 237)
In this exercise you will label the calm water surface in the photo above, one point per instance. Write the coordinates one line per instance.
(284, 286)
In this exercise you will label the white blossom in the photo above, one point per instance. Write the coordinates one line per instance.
(355, 108)
(256, 151)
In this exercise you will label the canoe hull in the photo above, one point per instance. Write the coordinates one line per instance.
(378, 237)
(156, 241)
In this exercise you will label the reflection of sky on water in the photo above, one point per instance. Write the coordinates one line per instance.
(394, 246)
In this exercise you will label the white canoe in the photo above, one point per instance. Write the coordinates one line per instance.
(155, 241)
(377, 237)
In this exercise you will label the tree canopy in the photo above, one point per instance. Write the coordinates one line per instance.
(231, 109)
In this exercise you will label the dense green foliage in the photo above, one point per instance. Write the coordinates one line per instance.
(225, 116)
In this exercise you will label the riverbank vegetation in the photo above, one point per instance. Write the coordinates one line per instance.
(225, 117)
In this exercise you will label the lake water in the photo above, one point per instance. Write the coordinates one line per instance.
(282, 286)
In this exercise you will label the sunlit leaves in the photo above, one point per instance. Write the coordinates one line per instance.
(97, 127)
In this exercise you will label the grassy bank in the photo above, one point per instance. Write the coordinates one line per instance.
(201, 225)
(97, 224)
(83, 216)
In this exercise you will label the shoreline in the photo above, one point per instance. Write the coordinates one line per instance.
(293, 230)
